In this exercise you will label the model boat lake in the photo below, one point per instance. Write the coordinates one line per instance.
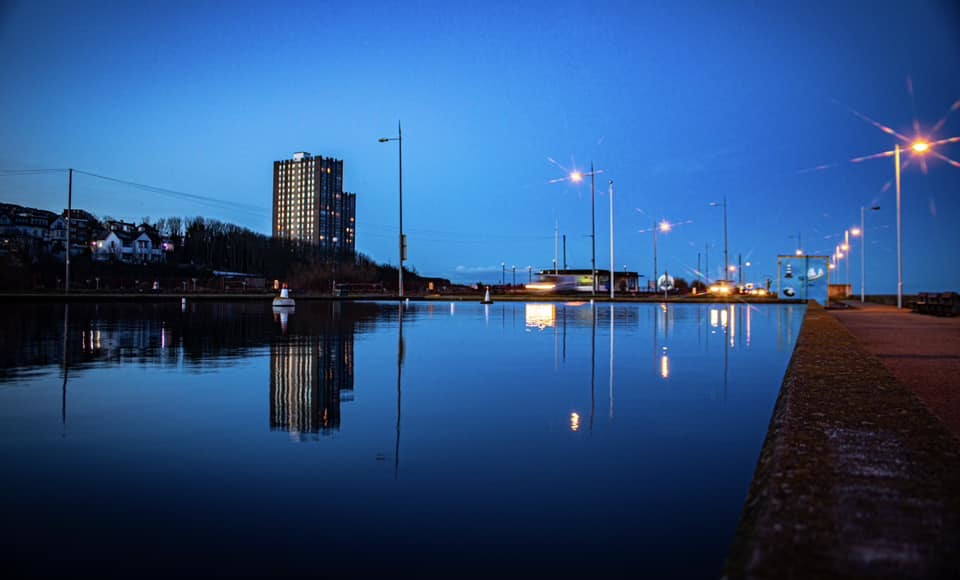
(352, 438)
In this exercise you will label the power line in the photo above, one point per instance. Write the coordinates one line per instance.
(14, 172)
(257, 210)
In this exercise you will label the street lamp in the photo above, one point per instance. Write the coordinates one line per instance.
(664, 227)
(577, 177)
(403, 239)
(611, 246)
(726, 257)
(503, 273)
(846, 248)
(919, 147)
(514, 275)
(863, 251)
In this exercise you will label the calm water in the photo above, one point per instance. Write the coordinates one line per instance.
(346, 439)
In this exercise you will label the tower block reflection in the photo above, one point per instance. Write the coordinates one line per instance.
(310, 376)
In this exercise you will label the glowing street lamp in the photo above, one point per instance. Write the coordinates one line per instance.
(577, 177)
(665, 227)
(919, 147)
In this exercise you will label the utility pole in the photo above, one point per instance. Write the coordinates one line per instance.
(655, 253)
(564, 251)
(706, 262)
(593, 229)
(66, 285)
(556, 244)
(726, 255)
(611, 254)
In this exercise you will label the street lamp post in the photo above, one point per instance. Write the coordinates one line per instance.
(577, 176)
(611, 241)
(664, 227)
(863, 253)
(593, 228)
(503, 273)
(726, 256)
(514, 275)
(846, 248)
(654, 252)
(403, 239)
(896, 156)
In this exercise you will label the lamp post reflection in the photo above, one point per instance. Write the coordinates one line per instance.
(63, 403)
(401, 354)
(593, 359)
(611, 358)
(722, 321)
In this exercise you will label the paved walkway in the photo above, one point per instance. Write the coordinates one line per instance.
(921, 351)
(857, 479)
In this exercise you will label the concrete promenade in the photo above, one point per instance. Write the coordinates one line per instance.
(857, 478)
(921, 351)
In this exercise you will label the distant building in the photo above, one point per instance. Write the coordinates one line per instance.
(25, 230)
(83, 226)
(310, 206)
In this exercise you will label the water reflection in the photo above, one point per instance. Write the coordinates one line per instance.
(143, 390)
(310, 376)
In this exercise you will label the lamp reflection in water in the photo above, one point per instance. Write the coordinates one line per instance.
(723, 320)
(574, 421)
(663, 318)
(541, 316)
(665, 363)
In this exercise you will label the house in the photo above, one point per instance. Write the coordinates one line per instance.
(83, 226)
(125, 242)
(57, 237)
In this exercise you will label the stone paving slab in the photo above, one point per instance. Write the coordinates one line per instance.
(921, 351)
(856, 478)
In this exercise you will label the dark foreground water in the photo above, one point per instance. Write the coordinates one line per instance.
(345, 439)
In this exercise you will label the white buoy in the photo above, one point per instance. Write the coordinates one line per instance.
(284, 300)
(486, 297)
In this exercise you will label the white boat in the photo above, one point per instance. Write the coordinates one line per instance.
(284, 300)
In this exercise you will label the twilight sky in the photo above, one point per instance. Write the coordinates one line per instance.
(679, 103)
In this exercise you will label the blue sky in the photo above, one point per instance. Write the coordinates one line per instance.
(679, 103)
